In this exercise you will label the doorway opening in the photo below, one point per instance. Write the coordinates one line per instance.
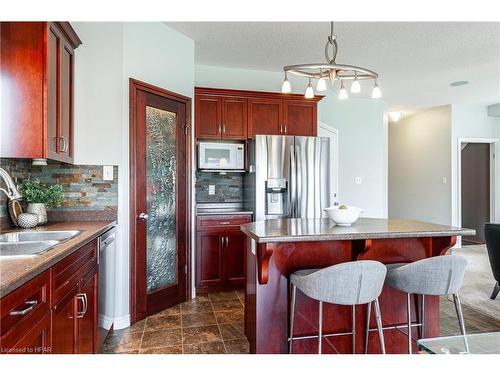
(160, 199)
(477, 187)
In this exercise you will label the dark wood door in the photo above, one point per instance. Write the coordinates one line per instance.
(87, 314)
(160, 209)
(234, 118)
(235, 257)
(208, 117)
(37, 340)
(300, 117)
(66, 99)
(265, 116)
(63, 324)
(54, 44)
(209, 256)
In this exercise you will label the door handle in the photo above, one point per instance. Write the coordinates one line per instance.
(64, 144)
(227, 241)
(32, 305)
(220, 128)
(224, 128)
(83, 298)
(143, 216)
(285, 128)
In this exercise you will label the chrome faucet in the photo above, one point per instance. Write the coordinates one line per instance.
(11, 191)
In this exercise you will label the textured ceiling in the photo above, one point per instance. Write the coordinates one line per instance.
(416, 61)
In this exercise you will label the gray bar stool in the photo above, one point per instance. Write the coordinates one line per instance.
(351, 283)
(436, 276)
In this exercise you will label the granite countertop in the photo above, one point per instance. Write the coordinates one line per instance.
(299, 230)
(15, 272)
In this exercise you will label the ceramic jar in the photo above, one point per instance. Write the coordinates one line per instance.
(40, 210)
(27, 220)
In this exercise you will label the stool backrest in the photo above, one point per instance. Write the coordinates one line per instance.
(438, 276)
(350, 283)
(492, 235)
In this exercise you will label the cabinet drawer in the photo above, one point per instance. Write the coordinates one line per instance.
(208, 221)
(67, 273)
(22, 309)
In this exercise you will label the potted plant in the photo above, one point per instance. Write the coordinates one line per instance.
(39, 195)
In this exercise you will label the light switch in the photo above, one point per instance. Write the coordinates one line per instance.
(107, 173)
(211, 189)
(445, 180)
(358, 180)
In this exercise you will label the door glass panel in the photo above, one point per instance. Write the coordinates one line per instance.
(161, 263)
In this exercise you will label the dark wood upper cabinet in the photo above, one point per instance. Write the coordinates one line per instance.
(265, 117)
(36, 66)
(300, 117)
(208, 114)
(239, 115)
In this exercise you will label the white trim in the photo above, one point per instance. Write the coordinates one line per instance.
(335, 131)
(121, 322)
(493, 147)
(105, 321)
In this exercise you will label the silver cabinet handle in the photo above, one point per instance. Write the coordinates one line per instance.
(285, 128)
(32, 305)
(83, 298)
(224, 128)
(220, 128)
(227, 241)
(281, 129)
(64, 144)
(143, 216)
(224, 223)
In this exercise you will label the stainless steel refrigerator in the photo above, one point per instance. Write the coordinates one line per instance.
(289, 177)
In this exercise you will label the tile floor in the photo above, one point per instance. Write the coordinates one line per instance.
(213, 324)
(209, 324)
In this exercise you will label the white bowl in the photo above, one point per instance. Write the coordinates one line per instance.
(343, 217)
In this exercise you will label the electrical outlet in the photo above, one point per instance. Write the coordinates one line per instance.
(358, 180)
(445, 180)
(211, 189)
(107, 173)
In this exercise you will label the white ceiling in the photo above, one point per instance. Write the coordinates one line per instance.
(416, 61)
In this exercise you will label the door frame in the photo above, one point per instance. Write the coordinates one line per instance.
(492, 142)
(134, 87)
(329, 128)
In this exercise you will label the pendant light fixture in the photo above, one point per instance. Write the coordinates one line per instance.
(309, 94)
(286, 88)
(331, 70)
(343, 92)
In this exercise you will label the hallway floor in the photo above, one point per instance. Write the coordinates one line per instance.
(209, 324)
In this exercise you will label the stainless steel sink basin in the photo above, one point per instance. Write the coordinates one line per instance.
(25, 249)
(61, 235)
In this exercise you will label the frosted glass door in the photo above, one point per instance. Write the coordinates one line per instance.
(161, 189)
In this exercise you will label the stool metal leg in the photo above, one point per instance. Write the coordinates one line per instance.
(408, 312)
(367, 333)
(458, 308)
(379, 326)
(353, 329)
(320, 325)
(422, 316)
(292, 315)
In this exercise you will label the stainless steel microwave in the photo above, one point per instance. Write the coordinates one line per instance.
(221, 156)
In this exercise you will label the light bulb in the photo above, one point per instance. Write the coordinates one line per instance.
(286, 88)
(343, 92)
(395, 116)
(321, 85)
(355, 86)
(376, 93)
(309, 94)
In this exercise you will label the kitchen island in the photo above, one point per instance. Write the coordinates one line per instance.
(277, 248)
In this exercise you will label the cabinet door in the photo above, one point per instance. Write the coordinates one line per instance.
(53, 78)
(37, 340)
(63, 324)
(300, 117)
(209, 267)
(265, 116)
(234, 118)
(235, 243)
(87, 314)
(66, 100)
(208, 117)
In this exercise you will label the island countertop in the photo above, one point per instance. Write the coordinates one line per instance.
(300, 230)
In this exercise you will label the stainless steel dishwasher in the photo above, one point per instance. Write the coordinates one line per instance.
(107, 255)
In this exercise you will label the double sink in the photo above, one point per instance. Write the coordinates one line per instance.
(27, 244)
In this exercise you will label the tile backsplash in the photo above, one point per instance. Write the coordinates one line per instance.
(228, 187)
(86, 195)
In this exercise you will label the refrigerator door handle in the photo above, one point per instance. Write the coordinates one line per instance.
(293, 182)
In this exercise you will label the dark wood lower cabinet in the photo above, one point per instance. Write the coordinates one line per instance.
(220, 253)
(57, 311)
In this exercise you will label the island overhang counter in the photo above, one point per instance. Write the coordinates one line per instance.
(277, 248)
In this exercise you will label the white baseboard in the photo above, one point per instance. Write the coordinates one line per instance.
(105, 321)
(121, 322)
